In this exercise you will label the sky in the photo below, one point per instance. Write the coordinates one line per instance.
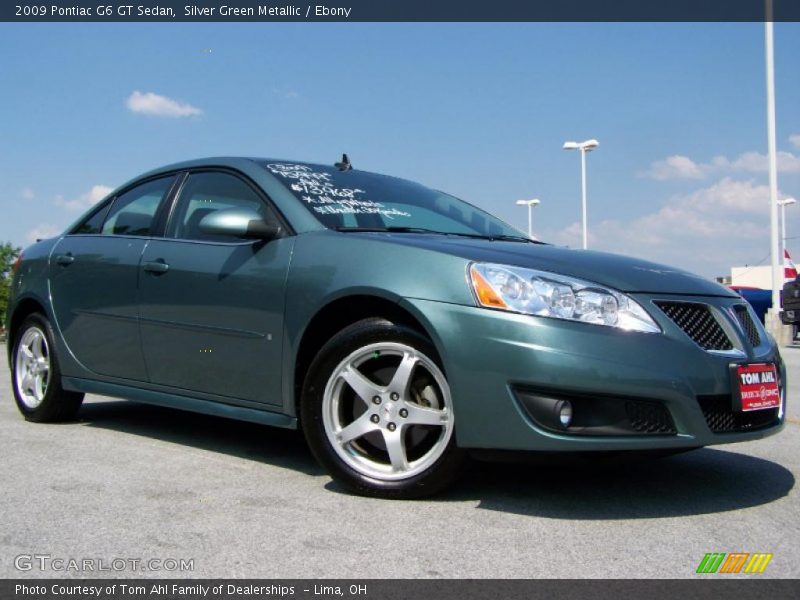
(477, 110)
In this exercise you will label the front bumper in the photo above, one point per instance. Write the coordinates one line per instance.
(489, 356)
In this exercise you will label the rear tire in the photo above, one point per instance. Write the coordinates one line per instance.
(36, 376)
(377, 413)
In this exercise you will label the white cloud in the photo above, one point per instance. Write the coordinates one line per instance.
(85, 201)
(795, 140)
(27, 194)
(675, 167)
(159, 106)
(683, 167)
(706, 231)
(728, 195)
(754, 162)
(42, 232)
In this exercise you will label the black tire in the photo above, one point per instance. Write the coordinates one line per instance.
(57, 404)
(432, 480)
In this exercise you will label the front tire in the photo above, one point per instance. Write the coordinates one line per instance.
(377, 413)
(36, 376)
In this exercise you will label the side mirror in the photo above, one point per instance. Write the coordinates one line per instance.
(239, 222)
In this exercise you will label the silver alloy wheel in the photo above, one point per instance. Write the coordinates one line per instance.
(32, 367)
(389, 413)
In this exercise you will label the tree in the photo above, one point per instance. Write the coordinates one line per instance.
(8, 254)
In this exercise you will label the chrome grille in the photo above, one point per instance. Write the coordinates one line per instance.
(748, 326)
(698, 323)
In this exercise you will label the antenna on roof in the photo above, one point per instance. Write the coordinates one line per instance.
(345, 165)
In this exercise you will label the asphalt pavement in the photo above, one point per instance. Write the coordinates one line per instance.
(129, 482)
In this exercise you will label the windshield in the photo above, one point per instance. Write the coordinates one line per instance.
(360, 200)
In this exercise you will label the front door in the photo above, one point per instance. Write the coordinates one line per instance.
(211, 307)
(94, 275)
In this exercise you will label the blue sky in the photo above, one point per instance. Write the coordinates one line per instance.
(478, 110)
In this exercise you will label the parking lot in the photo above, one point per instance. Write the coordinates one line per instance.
(130, 481)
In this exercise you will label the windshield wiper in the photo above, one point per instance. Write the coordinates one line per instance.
(476, 236)
(515, 238)
(391, 229)
(501, 237)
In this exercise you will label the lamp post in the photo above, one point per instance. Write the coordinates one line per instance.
(774, 243)
(584, 147)
(530, 204)
(783, 204)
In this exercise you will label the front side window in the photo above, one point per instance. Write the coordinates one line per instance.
(205, 193)
(94, 223)
(134, 211)
(358, 199)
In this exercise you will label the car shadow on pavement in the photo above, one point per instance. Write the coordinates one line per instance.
(251, 441)
(699, 482)
(583, 487)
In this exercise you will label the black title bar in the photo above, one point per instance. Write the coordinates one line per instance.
(733, 588)
(399, 10)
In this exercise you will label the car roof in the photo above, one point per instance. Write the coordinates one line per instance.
(220, 161)
(245, 163)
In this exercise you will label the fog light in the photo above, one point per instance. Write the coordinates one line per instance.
(565, 413)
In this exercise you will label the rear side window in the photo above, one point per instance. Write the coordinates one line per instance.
(134, 211)
(206, 193)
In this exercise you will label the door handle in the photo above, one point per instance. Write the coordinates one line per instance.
(157, 267)
(65, 259)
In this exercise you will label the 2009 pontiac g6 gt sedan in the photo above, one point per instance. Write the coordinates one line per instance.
(398, 326)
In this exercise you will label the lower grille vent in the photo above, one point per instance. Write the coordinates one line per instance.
(649, 417)
(721, 418)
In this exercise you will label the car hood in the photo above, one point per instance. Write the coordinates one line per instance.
(622, 273)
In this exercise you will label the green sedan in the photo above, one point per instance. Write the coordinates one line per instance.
(400, 328)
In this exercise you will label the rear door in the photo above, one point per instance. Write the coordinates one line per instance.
(93, 281)
(212, 307)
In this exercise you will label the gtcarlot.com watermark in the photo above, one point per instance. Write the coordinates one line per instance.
(60, 564)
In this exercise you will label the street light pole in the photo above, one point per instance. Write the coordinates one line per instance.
(530, 204)
(584, 147)
(584, 217)
(783, 204)
(530, 221)
(777, 280)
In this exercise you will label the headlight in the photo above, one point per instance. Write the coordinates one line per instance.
(549, 295)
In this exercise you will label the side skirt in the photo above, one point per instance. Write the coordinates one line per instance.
(205, 407)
